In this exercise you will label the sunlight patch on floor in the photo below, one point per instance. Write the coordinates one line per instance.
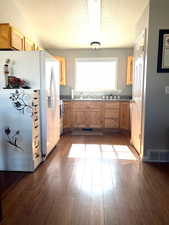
(96, 151)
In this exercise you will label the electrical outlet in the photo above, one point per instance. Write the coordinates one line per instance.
(167, 90)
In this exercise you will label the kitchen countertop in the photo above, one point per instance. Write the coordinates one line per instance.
(94, 99)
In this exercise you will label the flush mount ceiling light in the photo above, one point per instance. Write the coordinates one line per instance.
(95, 44)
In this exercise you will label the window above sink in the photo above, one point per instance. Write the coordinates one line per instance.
(96, 74)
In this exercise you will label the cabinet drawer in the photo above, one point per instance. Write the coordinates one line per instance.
(112, 113)
(67, 103)
(111, 123)
(112, 105)
(79, 105)
(94, 105)
(87, 105)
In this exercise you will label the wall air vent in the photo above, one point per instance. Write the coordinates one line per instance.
(158, 156)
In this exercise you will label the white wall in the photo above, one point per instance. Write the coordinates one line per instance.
(25, 65)
(121, 54)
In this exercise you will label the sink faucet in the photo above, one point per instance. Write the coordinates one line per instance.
(81, 95)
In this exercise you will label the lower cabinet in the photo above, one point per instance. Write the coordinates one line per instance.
(125, 115)
(84, 119)
(67, 119)
(96, 114)
(111, 123)
(87, 115)
(111, 115)
(78, 119)
(94, 119)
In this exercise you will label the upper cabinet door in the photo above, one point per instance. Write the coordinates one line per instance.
(12, 39)
(129, 70)
(5, 36)
(62, 62)
(17, 39)
(29, 45)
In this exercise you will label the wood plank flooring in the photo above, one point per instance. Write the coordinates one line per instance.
(8, 180)
(91, 180)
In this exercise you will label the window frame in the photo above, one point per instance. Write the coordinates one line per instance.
(97, 59)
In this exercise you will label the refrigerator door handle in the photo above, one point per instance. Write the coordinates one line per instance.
(51, 97)
(49, 102)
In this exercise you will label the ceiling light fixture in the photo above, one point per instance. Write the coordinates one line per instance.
(94, 13)
(95, 44)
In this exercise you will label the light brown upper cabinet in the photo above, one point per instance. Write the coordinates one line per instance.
(62, 62)
(29, 45)
(10, 38)
(129, 70)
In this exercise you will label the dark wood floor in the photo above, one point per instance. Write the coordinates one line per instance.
(91, 181)
(8, 180)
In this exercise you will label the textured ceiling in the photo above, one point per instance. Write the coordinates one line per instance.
(65, 23)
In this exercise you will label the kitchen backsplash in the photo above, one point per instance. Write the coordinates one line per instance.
(66, 93)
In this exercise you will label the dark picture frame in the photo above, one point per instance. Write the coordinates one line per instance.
(163, 52)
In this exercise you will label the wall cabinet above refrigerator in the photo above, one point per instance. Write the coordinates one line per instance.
(12, 39)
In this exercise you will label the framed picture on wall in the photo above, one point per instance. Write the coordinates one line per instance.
(163, 52)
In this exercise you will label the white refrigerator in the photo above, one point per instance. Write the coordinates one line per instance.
(41, 71)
